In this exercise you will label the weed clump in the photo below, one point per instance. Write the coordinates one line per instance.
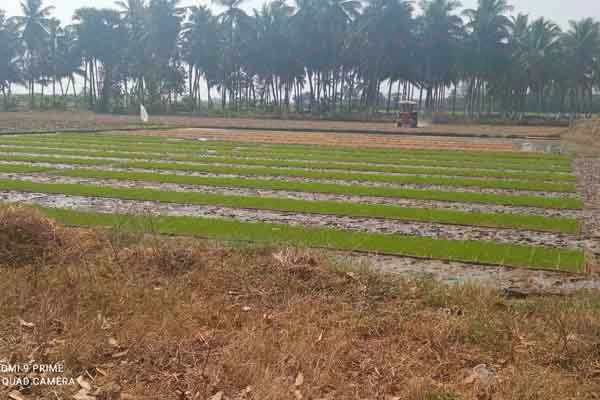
(26, 236)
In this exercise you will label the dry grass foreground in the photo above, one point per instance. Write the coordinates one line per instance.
(65, 120)
(152, 318)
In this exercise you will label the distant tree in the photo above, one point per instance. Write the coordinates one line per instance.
(135, 57)
(488, 28)
(34, 30)
(331, 55)
(582, 48)
(101, 33)
(11, 71)
(439, 32)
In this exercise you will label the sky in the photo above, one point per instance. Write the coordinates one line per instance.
(560, 11)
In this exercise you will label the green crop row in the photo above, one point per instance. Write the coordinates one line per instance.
(331, 188)
(340, 149)
(302, 173)
(465, 251)
(478, 173)
(495, 220)
(387, 155)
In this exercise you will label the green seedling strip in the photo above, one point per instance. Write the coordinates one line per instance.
(462, 251)
(496, 220)
(535, 176)
(330, 188)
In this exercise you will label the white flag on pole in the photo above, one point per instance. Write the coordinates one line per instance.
(143, 113)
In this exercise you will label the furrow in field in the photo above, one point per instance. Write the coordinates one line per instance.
(473, 184)
(411, 170)
(508, 221)
(362, 155)
(226, 187)
(199, 141)
(365, 225)
(588, 171)
(527, 163)
(225, 144)
(539, 200)
(409, 165)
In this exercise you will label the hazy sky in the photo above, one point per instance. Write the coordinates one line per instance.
(561, 11)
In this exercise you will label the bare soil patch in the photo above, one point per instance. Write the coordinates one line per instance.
(83, 120)
(357, 140)
(584, 137)
(149, 318)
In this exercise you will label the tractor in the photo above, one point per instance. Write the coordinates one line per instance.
(408, 116)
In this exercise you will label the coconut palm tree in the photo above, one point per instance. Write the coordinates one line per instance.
(488, 28)
(540, 48)
(100, 34)
(10, 57)
(386, 35)
(163, 71)
(439, 32)
(233, 21)
(200, 49)
(582, 44)
(34, 29)
(135, 18)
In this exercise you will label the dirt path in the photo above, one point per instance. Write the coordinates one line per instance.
(588, 171)
(84, 120)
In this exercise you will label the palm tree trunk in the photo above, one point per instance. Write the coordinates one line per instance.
(208, 95)
(389, 99)
(454, 100)
(190, 84)
(4, 98)
(312, 93)
(54, 91)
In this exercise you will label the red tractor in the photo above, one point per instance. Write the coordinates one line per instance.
(408, 117)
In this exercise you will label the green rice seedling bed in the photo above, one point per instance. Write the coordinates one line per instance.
(495, 220)
(464, 251)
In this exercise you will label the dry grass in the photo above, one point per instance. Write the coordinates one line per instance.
(152, 318)
(584, 137)
(27, 238)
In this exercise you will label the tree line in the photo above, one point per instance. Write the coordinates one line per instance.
(309, 55)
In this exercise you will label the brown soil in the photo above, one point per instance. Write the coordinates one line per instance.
(56, 120)
(339, 139)
(584, 137)
(151, 318)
